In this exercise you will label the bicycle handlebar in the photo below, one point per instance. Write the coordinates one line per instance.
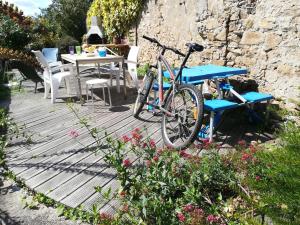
(153, 40)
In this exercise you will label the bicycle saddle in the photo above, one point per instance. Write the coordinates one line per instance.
(194, 47)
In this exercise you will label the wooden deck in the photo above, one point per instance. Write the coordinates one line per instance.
(61, 167)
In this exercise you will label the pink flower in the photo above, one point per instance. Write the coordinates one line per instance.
(136, 136)
(181, 217)
(188, 208)
(126, 163)
(105, 216)
(198, 211)
(152, 143)
(125, 138)
(137, 130)
(159, 151)
(257, 178)
(155, 158)
(148, 163)
(145, 145)
(212, 219)
(73, 133)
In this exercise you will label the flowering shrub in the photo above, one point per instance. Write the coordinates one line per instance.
(164, 186)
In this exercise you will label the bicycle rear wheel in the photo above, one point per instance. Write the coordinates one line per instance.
(182, 122)
(143, 93)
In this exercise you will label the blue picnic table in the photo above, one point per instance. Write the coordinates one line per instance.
(216, 107)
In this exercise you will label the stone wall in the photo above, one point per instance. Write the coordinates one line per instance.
(262, 36)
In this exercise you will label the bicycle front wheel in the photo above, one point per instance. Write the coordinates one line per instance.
(143, 93)
(182, 121)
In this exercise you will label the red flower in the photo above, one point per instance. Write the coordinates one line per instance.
(181, 217)
(242, 143)
(188, 208)
(155, 158)
(125, 138)
(122, 194)
(148, 163)
(246, 156)
(125, 208)
(184, 154)
(257, 178)
(105, 216)
(136, 136)
(137, 130)
(252, 149)
(152, 143)
(73, 133)
(126, 163)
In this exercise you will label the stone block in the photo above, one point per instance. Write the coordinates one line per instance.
(252, 38)
(212, 23)
(272, 41)
(221, 36)
(219, 62)
(266, 24)
(285, 69)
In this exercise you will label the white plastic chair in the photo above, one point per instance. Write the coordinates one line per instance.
(53, 74)
(90, 84)
(131, 66)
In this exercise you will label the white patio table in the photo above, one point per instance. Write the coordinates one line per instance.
(84, 59)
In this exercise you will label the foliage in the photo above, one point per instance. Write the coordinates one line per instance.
(12, 35)
(14, 13)
(279, 172)
(28, 59)
(119, 15)
(142, 70)
(68, 16)
(94, 10)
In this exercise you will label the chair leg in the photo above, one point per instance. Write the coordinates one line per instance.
(87, 92)
(92, 94)
(35, 87)
(103, 95)
(54, 90)
(47, 89)
(211, 126)
(109, 96)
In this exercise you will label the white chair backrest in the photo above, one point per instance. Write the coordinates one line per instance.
(41, 59)
(132, 67)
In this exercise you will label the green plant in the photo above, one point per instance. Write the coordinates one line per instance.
(12, 35)
(94, 10)
(142, 70)
(119, 15)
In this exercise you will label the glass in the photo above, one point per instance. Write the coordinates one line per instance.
(78, 50)
(71, 50)
(102, 52)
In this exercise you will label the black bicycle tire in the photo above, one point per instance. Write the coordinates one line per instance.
(197, 128)
(145, 96)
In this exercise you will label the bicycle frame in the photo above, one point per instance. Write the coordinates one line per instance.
(175, 78)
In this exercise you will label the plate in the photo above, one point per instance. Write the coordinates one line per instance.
(90, 54)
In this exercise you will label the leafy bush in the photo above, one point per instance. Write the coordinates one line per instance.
(12, 35)
(119, 15)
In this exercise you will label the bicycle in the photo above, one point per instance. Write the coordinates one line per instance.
(181, 105)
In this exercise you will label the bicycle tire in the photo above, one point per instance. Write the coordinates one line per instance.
(197, 103)
(143, 93)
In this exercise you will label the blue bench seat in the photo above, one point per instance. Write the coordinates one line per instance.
(254, 97)
(219, 104)
(166, 85)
